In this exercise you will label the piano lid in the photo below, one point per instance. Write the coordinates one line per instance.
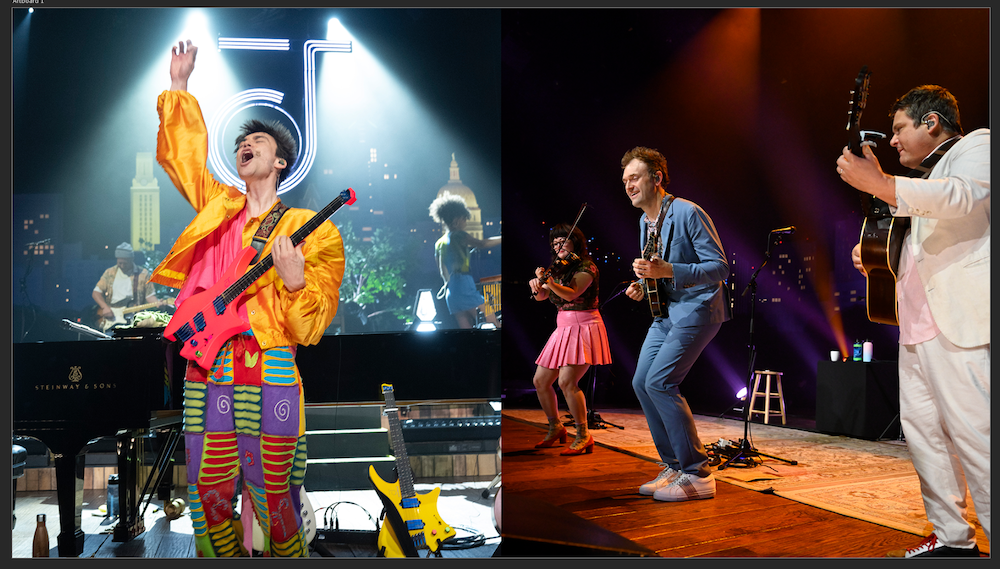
(96, 388)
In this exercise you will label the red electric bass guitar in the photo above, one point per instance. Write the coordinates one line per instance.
(206, 320)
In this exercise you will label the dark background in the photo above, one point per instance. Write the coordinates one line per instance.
(749, 107)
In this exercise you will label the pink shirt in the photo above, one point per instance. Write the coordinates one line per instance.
(916, 324)
(213, 255)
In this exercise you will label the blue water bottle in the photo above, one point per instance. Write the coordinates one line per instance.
(857, 351)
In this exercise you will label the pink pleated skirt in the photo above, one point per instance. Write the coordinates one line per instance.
(579, 338)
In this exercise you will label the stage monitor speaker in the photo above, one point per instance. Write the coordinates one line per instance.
(857, 399)
(533, 528)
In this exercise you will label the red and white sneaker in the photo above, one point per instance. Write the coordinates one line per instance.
(931, 547)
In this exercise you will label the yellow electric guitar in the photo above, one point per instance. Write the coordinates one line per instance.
(411, 520)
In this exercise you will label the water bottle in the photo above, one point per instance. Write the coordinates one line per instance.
(40, 545)
(867, 351)
(857, 351)
(113, 496)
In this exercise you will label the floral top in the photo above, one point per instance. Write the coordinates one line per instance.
(589, 299)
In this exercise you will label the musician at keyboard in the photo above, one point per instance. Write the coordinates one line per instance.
(243, 416)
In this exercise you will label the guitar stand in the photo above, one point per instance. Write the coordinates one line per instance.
(745, 453)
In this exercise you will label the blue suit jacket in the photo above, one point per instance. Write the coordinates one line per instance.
(698, 293)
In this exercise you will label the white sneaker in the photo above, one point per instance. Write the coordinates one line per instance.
(687, 487)
(665, 477)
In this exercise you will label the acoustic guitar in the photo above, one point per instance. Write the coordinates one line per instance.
(205, 321)
(411, 520)
(881, 233)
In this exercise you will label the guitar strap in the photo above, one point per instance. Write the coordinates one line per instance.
(881, 209)
(135, 287)
(664, 206)
(925, 167)
(267, 225)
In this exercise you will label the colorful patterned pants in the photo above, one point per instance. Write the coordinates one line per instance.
(245, 418)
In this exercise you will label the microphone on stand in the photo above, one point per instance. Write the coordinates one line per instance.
(784, 230)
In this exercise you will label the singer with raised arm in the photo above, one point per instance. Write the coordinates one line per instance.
(579, 341)
(244, 417)
(942, 297)
(684, 268)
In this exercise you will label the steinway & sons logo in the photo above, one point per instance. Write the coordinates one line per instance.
(75, 378)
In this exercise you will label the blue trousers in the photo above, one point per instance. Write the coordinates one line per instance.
(667, 355)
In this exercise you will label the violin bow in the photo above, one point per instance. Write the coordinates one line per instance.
(583, 207)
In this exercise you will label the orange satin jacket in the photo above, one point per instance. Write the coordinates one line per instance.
(277, 317)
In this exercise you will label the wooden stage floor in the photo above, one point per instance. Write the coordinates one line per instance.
(589, 505)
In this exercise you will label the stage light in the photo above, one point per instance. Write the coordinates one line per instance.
(335, 31)
(196, 28)
(425, 311)
(31, 10)
(741, 394)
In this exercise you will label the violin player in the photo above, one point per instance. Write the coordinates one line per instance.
(579, 341)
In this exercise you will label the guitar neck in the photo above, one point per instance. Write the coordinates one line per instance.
(241, 284)
(132, 309)
(403, 471)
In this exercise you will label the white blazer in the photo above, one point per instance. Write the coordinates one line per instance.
(950, 232)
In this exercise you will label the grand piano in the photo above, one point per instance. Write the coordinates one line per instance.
(67, 394)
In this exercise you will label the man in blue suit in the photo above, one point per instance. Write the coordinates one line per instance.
(689, 269)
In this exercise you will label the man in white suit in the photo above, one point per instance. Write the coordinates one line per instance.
(943, 296)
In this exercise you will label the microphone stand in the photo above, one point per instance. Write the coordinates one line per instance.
(594, 420)
(24, 290)
(746, 452)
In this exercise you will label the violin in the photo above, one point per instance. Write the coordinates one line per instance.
(560, 266)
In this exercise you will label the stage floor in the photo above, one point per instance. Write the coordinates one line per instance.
(842, 497)
(461, 505)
